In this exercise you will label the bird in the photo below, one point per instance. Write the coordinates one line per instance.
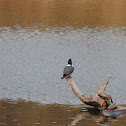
(68, 70)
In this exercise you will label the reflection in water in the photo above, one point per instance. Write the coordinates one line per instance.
(24, 113)
(30, 113)
(51, 13)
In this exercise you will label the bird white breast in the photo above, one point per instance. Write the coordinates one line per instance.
(70, 65)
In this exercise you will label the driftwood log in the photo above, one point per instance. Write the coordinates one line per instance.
(94, 100)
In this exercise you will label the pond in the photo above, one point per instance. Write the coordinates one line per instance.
(36, 40)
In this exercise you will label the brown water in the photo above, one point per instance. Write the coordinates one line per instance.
(36, 40)
(61, 13)
(13, 113)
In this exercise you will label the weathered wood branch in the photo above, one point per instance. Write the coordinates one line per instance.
(76, 91)
(102, 87)
(95, 100)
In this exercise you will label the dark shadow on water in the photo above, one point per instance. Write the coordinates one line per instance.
(28, 113)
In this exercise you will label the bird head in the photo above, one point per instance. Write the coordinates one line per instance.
(70, 62)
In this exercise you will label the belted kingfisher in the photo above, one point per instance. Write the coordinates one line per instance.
(68, 70)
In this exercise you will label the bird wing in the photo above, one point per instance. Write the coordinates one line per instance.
(68, 70)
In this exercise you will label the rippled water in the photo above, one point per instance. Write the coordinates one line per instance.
(32, 63)
(38, 37)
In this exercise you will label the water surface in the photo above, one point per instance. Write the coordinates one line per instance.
(61, 13)
(32, 62)
(29, 113)
(36, 40)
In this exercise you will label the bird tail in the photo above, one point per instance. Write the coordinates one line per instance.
(63, 77)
